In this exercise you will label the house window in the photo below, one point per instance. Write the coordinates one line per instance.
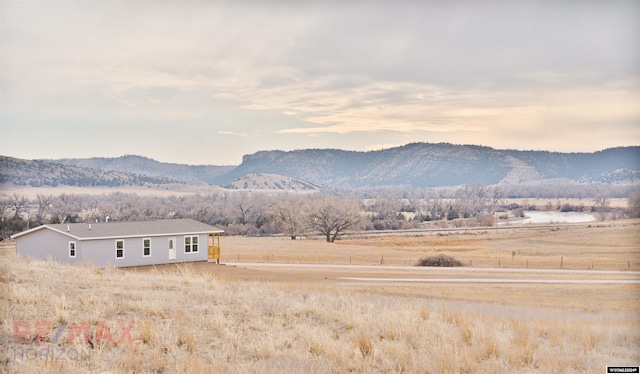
(146, 247)
(119, 248)
(190, 244)
(72, 249)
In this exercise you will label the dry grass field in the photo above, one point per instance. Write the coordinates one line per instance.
(613, 245)
(201, 317)
(174, 189)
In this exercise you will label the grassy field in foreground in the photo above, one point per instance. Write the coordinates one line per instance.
(189, 322)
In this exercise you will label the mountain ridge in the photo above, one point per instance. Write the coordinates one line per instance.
(38, 173)
(414, 164)
(439, 164)
(143, 165)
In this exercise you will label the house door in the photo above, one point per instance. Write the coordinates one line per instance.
(172, 248)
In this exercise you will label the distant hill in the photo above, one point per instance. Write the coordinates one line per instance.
(270, 182)
(36, 173)
(585, 167)
(434, 165)
(416, 164)
(146, 166)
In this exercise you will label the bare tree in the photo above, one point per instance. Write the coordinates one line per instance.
(260, 214)
(5, 205)
(602, 201)
(332, 216)
(128, 208)
(19, 205)
(290, 214)
(470, 199)
(435, 207)
(634, 204)
(385, 208)
(496, 194)
(243, 204)
(105, 208)
(219, 208)
(44, 205)
(65, 206)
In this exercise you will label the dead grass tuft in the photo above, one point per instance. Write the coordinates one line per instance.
(146, 331)
(365, 344)
(187, 339)
(131, 360)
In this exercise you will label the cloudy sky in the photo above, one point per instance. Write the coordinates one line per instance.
(207, 82)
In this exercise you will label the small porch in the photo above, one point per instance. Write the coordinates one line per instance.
(214, 247)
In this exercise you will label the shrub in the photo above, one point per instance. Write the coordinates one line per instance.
(439, 261)
(571, 208)
(518, 213)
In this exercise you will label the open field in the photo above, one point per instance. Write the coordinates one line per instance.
(289, 318)
(175, 189)
(612, 245)
(165, 190)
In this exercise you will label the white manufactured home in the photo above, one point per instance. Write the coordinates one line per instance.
(122, 243)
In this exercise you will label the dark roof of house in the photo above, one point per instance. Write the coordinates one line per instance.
(87, 231)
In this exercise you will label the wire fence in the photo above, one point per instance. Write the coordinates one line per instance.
(516, 262)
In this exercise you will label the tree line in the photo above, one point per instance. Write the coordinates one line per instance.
(291, 214)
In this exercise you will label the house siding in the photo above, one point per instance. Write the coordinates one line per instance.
(201, 255)
(47, 243)
(103, 252)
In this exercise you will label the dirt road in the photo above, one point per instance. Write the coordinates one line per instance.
(335, 273)
(414, 274)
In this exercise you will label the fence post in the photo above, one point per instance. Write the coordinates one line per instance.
(561, 260)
